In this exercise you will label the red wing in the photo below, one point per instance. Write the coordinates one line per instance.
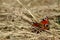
(36, 24)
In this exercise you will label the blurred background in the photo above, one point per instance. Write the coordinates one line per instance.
(15, 21)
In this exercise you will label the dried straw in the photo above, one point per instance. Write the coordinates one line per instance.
(28, 11)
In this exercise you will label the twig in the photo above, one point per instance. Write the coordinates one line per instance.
(28, 11)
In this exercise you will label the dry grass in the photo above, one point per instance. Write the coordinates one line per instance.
(15, 20)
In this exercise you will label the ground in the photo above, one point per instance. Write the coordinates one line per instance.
(15, 20)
